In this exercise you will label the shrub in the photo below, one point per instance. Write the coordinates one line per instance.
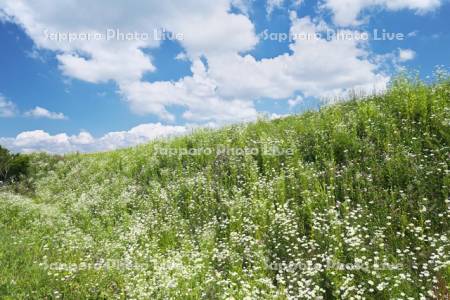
(12, 166)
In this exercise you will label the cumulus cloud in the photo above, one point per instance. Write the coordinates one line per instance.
(317, 67)
(347, 12)
(41, 141)
(217, 94)
(406, 55)
(208, 28)
(39, 112)
(224, 82)
(7, 108)
(197, 93)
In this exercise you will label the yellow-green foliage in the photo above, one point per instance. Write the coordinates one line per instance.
(359, 210)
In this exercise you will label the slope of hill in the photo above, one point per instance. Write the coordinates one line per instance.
(351, 202)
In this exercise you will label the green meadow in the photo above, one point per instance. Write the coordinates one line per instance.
(348, 202)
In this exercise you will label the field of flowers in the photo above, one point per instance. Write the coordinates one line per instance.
(351, 202)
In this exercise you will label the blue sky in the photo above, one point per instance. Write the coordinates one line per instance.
(92, 95)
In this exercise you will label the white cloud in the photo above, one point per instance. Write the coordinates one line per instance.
(295, 101)
(339, 65)
(406, 55)
(197, 94)
(222, 91)
(41, 141)
(217, 94)
(39, 112)
(272, 5)
(208, 28)
(182, 56)
(347, 12)
(7, 108)
(244, 6)
(275, 116)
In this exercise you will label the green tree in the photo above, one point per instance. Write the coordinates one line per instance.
(12, 166)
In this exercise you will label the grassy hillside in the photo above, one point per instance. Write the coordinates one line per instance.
(351, 202)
